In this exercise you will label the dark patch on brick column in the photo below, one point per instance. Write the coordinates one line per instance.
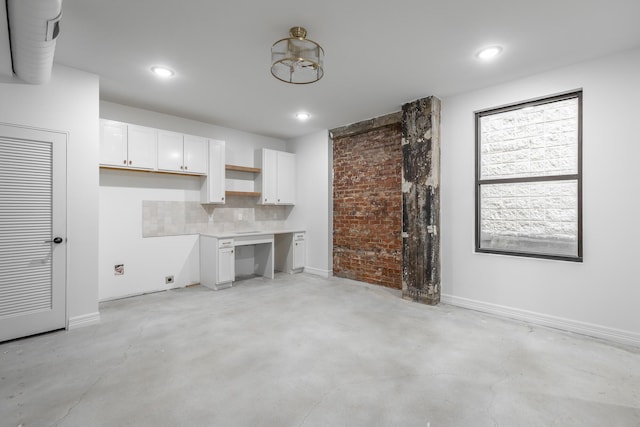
(421, 200)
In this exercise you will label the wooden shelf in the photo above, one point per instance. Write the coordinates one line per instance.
(242, 169)
(117, 168)
(243, 193)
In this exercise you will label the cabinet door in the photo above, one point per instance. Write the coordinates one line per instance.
(170, 151)
(142, 147)
(213, 188)
(113, 143)
(226, 265)
(195, 154)
(286, 178)
(298, 254)
(269, 177)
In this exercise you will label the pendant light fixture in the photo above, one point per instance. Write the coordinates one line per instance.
(296, 59)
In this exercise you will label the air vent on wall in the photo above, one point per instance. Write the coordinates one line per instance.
(33, 28)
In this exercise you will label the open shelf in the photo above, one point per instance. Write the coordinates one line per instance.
(242, 169)
(243, 193)
(117, 168)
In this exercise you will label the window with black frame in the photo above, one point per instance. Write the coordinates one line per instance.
(529, 178)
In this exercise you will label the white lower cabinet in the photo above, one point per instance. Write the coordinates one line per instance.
(299, 251)
(282, 251)
(290, 252)
(217, 262)
(226, 265)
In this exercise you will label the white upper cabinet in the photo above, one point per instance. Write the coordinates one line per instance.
(113, 143)
(277, 180)
(170, 151)
(195, 154)
(213, 187)
(127, 146)
(182, 153)
(269, 177)
(286, 178)
(142, 144)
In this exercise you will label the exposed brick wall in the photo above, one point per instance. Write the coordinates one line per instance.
(367, 206)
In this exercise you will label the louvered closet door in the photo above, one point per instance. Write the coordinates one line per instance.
(32, 231)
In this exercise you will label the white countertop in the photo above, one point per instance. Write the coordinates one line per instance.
(234, 234)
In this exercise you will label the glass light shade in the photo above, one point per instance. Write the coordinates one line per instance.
(296, 59)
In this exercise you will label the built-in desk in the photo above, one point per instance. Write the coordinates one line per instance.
(263, 252)
(281, 250)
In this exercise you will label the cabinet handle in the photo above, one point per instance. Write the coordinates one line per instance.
(124, 162)
(278, 200)
(232, 251)
(185, 168)
(181, 167)
(130, 162)
(223, 198)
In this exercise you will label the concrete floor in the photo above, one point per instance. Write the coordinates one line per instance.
(305, 351)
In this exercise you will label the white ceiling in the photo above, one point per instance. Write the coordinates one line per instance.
(379, 54)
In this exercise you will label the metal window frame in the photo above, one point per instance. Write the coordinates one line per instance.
(577, 94)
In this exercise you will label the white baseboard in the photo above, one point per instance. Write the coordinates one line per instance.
(148, 291)
(597, 331)
(319, 272)
(83, 320)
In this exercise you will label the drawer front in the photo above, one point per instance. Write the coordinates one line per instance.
(225, 243)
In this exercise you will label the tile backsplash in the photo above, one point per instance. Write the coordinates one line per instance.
(160, 218)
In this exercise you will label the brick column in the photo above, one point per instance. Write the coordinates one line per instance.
(421, 200)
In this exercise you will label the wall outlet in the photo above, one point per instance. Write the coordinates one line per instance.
(168, 280)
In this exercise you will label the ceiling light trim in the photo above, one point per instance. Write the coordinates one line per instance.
(490, 52)
(162, 71)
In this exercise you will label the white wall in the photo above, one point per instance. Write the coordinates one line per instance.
(314, 199)
(148, 260)
(69, 103)
(599, 296)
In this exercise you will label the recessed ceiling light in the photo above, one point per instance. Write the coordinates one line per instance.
(162, 71)
(489, 53)
(302, 116)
